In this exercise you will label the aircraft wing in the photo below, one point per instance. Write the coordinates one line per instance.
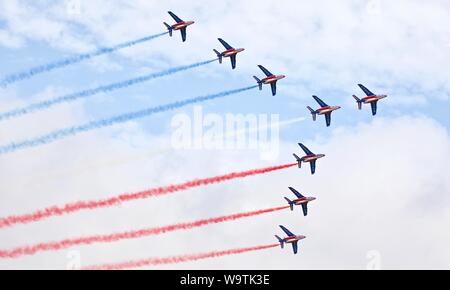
(321, 103)
(225, 44)
(233, 61)
(183, 34)
(295, 247)
(297, 194)
(366, 90)
(374, 107)
(307, 151)
(265, 71)
(313, 166)
(273, 86)
(288, 232)
(328, 119)
(305, 209)
(176, 18)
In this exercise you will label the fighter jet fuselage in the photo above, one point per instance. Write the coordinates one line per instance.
(371, 99)
(314, 157)
(231, 52)
(181, 25)
(303, 200)
(293, 239)
(272, 79)
(325, 110)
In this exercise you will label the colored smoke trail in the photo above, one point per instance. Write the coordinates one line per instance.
(42, 105)
(75, 130)
(41, 177)
(127, 197)
(178, 259)
(13, 78)
(64, 244)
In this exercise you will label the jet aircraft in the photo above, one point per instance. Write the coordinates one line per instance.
(309, 157)
(179, 25)
(371, 99)
(323, 110)
(300, 200)
(290, 239)
(270, 79)
(230, 52)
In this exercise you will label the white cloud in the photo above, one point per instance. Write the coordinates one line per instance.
(382, 187)
(338, 43)
(8, 40)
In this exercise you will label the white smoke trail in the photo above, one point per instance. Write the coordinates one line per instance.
(75, 130)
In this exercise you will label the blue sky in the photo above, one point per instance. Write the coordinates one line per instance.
(304, 78)
(325, 49)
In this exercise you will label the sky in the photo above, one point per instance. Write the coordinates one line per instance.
(382, 190)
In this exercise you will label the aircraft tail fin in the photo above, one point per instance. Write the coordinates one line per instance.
(313, 113)
(358, 101)
(169, 28)
(280, 240)
(259, 82)
(219, 55)
(299, 160)
(291, 204)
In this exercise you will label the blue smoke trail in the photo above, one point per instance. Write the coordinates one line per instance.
(90, 92)
(75, 130)
(72, 60)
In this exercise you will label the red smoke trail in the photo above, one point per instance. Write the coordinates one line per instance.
(55, 246)
(116, 200)
(177, 259)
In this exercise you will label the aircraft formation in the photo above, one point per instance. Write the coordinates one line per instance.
(324, 109)
(297, 200)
